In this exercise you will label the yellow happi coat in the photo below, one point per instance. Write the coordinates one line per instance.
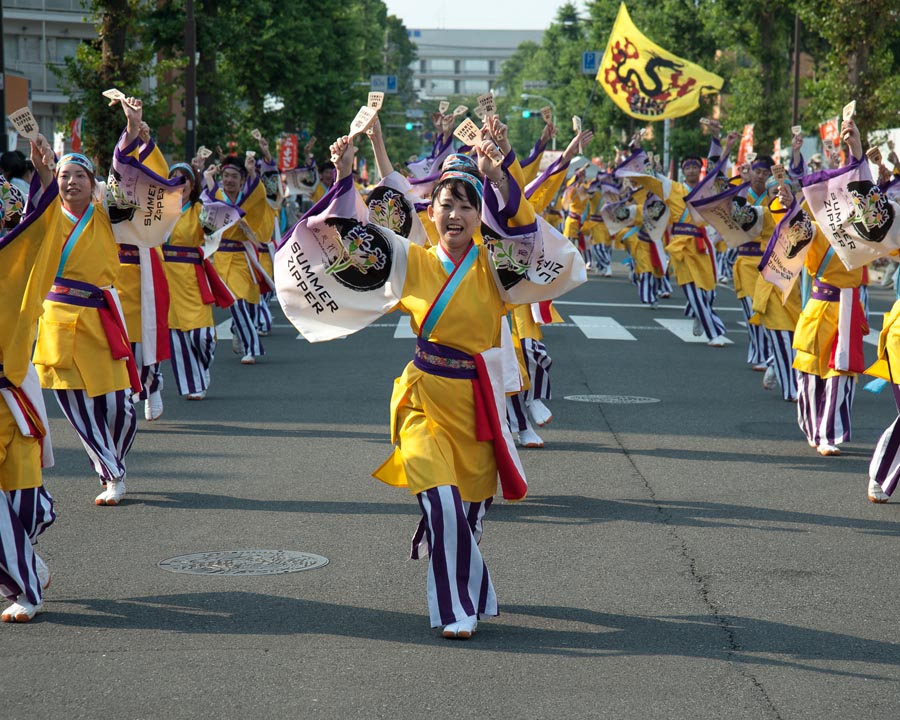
(186, 308)
(27, 267)
(746, 267)
(72, 351)
(433, 417)
(689, 252)
(818, 323)
(768, 308)
(234, 267)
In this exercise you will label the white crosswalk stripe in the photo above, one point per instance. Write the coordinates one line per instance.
(597, 327)
(684, 330)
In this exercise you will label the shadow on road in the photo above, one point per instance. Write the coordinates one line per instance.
(590, 632)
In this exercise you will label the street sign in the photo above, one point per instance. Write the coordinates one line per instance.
(534, 84)
(383, 83)
(590, 62)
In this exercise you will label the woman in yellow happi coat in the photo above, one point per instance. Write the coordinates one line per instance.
(447, 416)
(82, 351)
(237, 256)
(29, 254)
(826, 384)
(194, 286)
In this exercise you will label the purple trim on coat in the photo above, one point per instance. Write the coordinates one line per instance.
(31, 214)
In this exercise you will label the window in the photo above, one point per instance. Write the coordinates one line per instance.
(475, 87)
(478, 66)
(442, 65)
(442, 87)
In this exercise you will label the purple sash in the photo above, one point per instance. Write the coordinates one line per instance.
(444, 361)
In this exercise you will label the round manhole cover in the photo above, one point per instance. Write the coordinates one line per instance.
(244, 562)
(613, 399)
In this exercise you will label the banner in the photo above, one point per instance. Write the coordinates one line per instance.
(830, 133)
(746, 145)
(736, 220)
(786, 252)
(75, 128)
(143, 207)
(856, 216)
(287, 153)
(645, 81)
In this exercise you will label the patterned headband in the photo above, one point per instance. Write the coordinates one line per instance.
(761, 166)
(458, 160)
(466, 177)
(76, 159)
(183, 166)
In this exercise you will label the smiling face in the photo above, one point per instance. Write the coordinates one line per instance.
(232, 181)
(456, 217)
(75, 187)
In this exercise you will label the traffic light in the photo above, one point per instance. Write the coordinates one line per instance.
(410, 126)
(526, 114)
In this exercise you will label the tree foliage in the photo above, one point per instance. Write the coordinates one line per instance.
(298, 67)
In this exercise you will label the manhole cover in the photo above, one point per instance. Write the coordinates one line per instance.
(613, 399)
(244, 562)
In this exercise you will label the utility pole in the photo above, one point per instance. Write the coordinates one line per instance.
(190, 84)
(3, 147)
(796, 99)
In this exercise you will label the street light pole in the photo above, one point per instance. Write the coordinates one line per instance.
(190, 84)
(526, 96)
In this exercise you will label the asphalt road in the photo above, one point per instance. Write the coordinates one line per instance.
(687, 558)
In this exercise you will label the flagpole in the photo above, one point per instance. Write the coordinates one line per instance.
(666, 124)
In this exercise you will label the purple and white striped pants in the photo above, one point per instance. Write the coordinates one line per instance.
(243, 316)
(648, 287)
(602, 257)
(700, 305)
(459, 584)
(516, 416)
(884, 468)
(263, 316)
(151, 375)
(193, 352)
(759, 351)
(106, 425)
(823, 407)
(24, 514)
(781, 342)
(538, 364)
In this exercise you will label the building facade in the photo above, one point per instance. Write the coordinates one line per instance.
(37, 36)
(462, 62)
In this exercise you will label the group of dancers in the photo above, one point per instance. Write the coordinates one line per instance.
(471, 242)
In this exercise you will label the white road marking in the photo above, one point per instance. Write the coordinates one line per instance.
(404, 328)
(601, 328)
(661, 306)
(683, 330)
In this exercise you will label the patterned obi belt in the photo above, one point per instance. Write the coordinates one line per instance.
(749, 250)
(128, 255)
(826, 292)
(573, 215)
(231, 246)
(177, 254)
(444, 361)
(74, 292)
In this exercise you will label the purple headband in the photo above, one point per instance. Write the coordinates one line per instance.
(761, 166)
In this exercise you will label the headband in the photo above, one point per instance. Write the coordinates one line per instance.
(464, 176)
(183, 166)
(458, 160)
(691, 161)
(761, 166)
(76, 159)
